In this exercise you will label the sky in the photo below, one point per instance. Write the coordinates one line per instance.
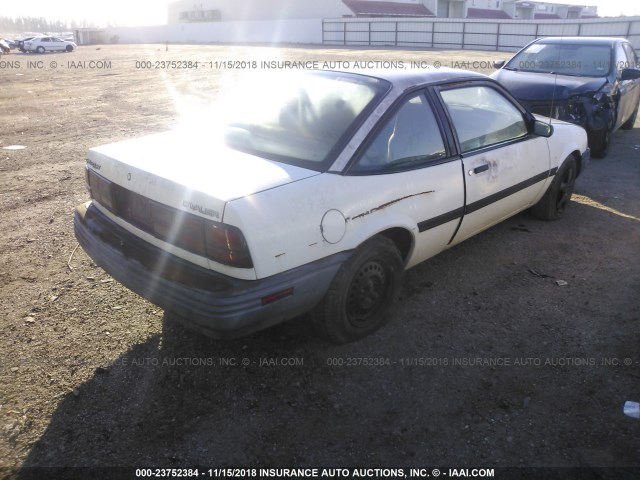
(154, 12)
(100, 13)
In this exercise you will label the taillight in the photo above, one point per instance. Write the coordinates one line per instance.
(100, 189)
(178, 228)
(226, 244)
(219, 242)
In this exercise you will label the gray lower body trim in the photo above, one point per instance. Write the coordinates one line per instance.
(213, 303)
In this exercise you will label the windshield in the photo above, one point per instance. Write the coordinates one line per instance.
(299, 118)
(564, 59)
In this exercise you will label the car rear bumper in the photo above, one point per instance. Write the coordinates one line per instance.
(215, 304)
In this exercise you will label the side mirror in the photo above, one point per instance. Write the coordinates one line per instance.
(542, 129)
(630, 74)
(499, 63)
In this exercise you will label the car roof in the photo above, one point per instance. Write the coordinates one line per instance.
(582, 40)
(404, 79)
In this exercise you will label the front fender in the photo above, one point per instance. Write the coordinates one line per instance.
(567, 139)
(601, 113)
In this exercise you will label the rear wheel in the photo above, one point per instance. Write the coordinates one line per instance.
(554, 202)
(361, 293)
(69, 48)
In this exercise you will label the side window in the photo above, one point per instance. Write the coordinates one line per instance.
(410, 137)
(482, 117)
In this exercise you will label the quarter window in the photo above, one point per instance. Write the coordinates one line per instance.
(483, 117)
(409, 138)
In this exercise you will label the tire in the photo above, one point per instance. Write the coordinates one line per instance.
(69, 49)
(554, 202)
(628, 125)
(361, 293)
(599, 142)
(40, 49)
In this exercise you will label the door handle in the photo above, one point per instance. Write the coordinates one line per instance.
(480, 169)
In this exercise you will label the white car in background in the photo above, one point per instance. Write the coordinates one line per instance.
(4, 47)
(49, 44)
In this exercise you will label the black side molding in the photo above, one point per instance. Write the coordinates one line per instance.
(475, 206)
(440, 219)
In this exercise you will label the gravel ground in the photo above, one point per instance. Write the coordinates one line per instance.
(487, 361)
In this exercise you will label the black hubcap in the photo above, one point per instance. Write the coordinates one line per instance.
(367, 292)
(566, 189)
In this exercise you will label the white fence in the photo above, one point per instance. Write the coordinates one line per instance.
(441, 33)
(468, 33)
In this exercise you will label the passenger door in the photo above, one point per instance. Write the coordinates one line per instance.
(413, 177)
(56, 44)
(505, 167)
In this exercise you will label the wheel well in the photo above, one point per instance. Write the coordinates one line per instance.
(576, 154)
(402, 239)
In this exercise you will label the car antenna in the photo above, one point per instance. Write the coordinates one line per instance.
(553, 95)
(555, 79)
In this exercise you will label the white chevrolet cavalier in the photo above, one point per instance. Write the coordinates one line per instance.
(319, 192)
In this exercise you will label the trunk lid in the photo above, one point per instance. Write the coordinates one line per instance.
(189, 172)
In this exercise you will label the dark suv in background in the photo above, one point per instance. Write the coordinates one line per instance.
(593, 82)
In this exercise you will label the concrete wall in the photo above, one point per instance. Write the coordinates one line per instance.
(308, 31)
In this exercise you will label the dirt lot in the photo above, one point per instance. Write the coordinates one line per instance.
(484, 363)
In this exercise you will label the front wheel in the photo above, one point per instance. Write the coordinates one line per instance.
(599, 142)
(40, 49)
(361, 293)
(554, 202)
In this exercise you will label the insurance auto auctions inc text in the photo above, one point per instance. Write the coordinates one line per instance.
(353, 473)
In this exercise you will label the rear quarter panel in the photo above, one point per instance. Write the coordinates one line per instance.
(283, 225)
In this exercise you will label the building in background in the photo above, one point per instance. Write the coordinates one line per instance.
(525, 10)
(396, 8)
(195, 11)
(192, 11)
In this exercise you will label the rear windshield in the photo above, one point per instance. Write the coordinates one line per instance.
(299, 118)
(564, 59)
